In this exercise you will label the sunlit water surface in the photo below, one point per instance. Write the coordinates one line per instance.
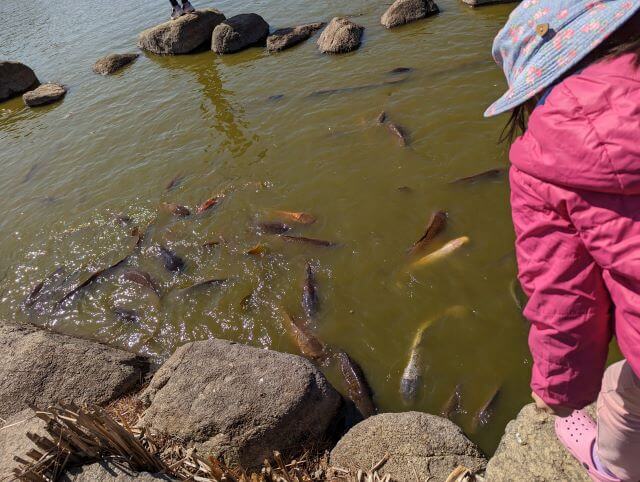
(248, 126)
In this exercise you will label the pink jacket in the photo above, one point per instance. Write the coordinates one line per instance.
(575, 195)
(587, 133)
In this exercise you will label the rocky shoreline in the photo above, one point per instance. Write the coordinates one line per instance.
(240, 404)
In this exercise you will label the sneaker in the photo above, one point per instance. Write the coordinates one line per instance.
(577, 432)
(187, 7)
(176, 12)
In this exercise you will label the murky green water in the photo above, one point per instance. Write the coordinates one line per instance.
(114, 143)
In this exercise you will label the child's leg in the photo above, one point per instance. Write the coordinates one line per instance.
(568, 303)
(174, 3)
(619, 422)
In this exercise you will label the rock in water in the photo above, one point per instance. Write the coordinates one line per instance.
(530, 450)
(340, 36)
(45, 94)
(15, 79)
(61, 368)
(285, 38)
(405, 11)
(238, 402)
(239, 32)
(112, 63)
(183, 35)
(420, 447)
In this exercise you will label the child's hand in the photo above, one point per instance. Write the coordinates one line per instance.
(559, 410)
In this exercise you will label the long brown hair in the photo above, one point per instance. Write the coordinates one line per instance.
(625, 40)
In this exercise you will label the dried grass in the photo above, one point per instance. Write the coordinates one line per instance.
(80, 435)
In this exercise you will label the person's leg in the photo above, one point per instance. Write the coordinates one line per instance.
(568, 304)
(618, 445)
(174, 3)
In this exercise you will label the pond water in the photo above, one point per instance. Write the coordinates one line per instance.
(250, 127)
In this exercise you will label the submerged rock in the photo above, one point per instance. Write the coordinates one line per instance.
(44, 94)
(39, 367)
(239, 32)
(112, 63)
(182, 35)
(15, 79)
(530, 450)
(238, 402)
(285, 38)
(420, 447)
(340, 36)
(405, 11)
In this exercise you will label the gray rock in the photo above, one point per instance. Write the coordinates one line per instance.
(39, 367)
(239, 402)
(44, 94)
(285, 38)
(112, 63)
(340, 36)
(405, 11)
(182, 35)
(239, 32)
(530, 450)
(107, 471)
(14, 441)
(15, 79)
(420, 447)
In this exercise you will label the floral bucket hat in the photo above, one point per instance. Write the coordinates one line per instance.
(543, 39)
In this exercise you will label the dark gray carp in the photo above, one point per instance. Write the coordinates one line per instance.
(204, 284)
(142, 278)
(126, 315)
(481, 176)
(273, 227)
(174, 182)
(453, 405)
(316, 242)
(399, 132)
(170, 260)
(358, 388)
(307, 342)
(310, 294)
(176, 209)
(486, 411)
(436, 225)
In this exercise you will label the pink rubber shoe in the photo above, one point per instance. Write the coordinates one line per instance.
(577, 432)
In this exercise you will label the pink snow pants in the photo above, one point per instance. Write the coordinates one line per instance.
(578, 258)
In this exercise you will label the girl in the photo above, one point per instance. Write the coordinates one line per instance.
(573, 69)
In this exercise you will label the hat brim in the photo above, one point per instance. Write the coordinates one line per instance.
(512, 98)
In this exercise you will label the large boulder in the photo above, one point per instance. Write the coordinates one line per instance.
(14, 441)
(15, 79)
(39, 367)
(239, 402)
(340, 36)
(405, 11)
(530, 450)
(112, 63)
(285, 38)
(420, 447)
(239, 32)
(183, 35)
(106, 471)
(44, 94)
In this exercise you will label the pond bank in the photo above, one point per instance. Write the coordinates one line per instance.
(240, 404)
